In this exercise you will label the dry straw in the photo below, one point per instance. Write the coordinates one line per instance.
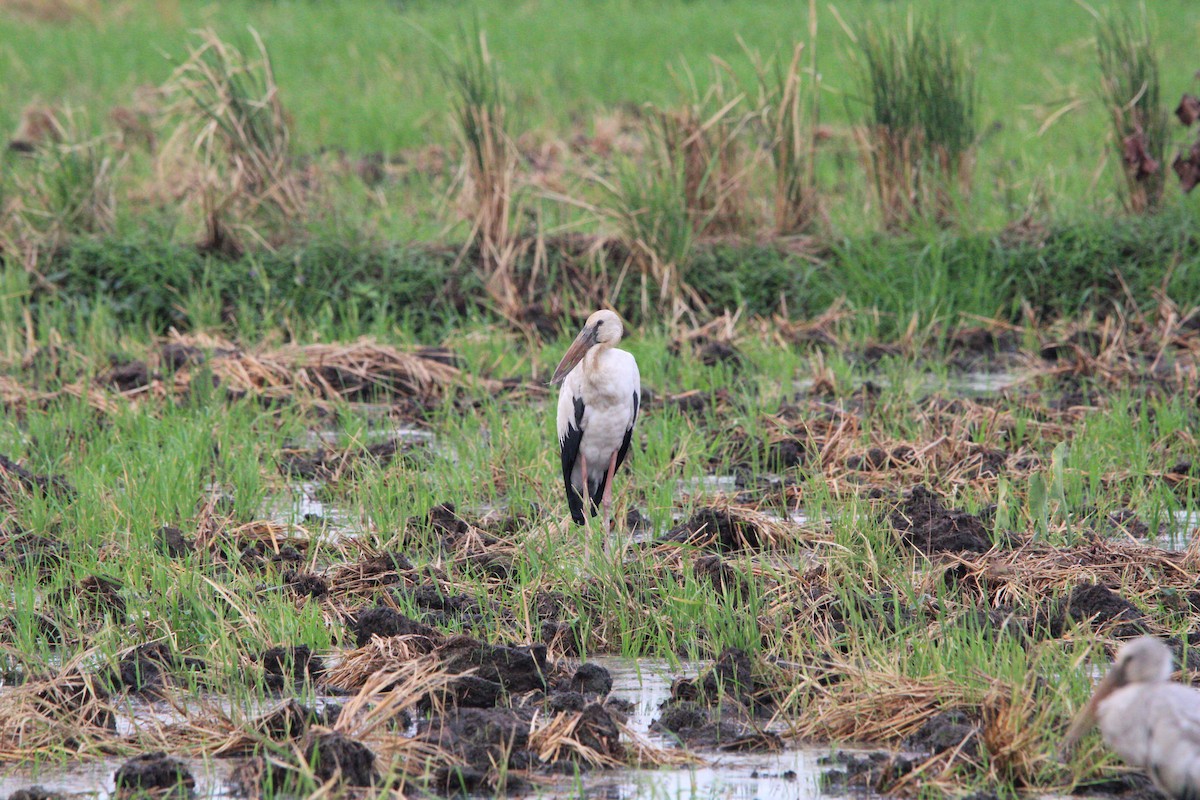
(232, 145)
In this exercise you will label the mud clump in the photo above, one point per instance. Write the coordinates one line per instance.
(172, 543)
(480, 736)
(296, 664)
(516, 669)
(716, 708)
(29, 551)
(305, 584)
(333, 754)
(385, 623)
(723, 577)
(873, 772)
(876, 458)
(148, 668)
(154, 771)
(592, 678)
(718, 529)
(1099, 604)
(950, 730)
(36, 792)
(32, 482)
(730, 676)
(258, 556)
(291, 720)
(927, 525)
(441, 608)
(726, 728)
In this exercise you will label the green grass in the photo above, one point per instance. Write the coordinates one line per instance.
(364, 76)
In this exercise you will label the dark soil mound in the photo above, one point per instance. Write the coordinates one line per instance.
(334, 754)
(36, 793)
(297, 664)
(715, 528)
(173, 544)
(291, 720)
(723, 577)
(32, 482)
(727, 728)
(385, 622)
(1100, 605)
(306, 584)
(949, 730)
(730, 676)
(927, 525)
(154, 771)
(148, 668)
(258, 557)
(873, 772)
(516, 669)
(592, 679)
(480, 736)
(28, 551)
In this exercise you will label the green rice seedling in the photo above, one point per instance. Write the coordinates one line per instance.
(1131, 89)
(232, 140)
(920, 134)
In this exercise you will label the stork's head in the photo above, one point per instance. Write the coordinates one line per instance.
(602, 329)
(1144, 660)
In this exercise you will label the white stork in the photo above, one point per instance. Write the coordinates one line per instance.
(601, 390)
(1151, 722)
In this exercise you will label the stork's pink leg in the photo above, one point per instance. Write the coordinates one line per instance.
(583, 480)
(612, 468)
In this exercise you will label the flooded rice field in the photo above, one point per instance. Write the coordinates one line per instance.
(833, 570)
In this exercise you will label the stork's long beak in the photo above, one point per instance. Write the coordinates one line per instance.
(1086, 717)
(575, 353)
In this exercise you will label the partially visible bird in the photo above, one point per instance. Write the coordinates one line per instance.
(598, 405)
(1151, 722)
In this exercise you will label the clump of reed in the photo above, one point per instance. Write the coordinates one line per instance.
(1130, 88)
(920, 129)
(790, 113)
(480, 104)
(232, 145)
(63, 181)
(693, 183)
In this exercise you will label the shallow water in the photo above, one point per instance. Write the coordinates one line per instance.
(977, 383)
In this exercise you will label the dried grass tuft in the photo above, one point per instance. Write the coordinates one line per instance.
(232, 139)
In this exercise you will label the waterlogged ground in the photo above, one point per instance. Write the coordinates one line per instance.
(839, 566)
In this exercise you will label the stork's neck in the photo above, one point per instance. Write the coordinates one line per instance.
(592, 371)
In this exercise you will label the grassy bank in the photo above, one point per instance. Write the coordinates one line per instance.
(353, 288)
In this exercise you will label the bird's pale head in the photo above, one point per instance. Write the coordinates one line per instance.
(605, 327)
(602, 329)
(1146, 659)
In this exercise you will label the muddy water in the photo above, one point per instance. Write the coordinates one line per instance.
(94, 779)
(646, 683)
(792, 774)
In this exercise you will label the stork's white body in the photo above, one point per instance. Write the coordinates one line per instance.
(601, 391)
(1156, 726)
(1150, 721)
(607, 389)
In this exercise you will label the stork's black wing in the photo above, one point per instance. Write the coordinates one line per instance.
(598, 495)
(569, 447)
